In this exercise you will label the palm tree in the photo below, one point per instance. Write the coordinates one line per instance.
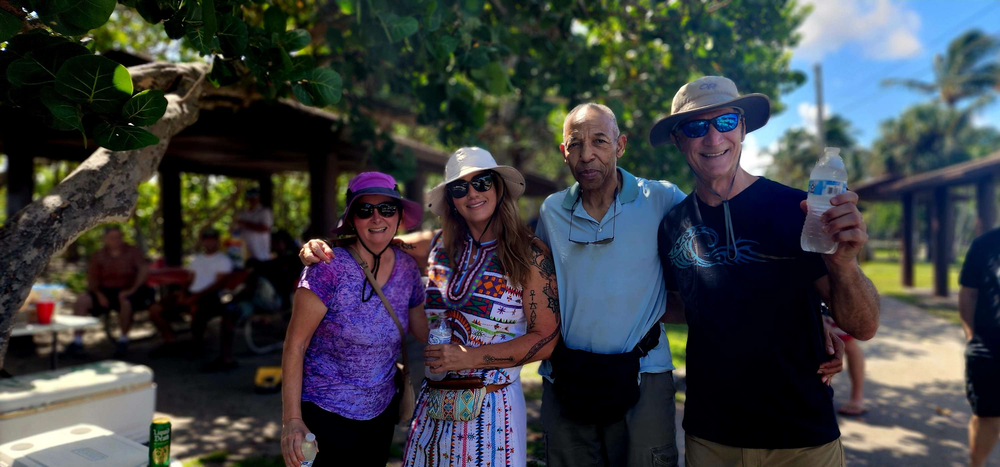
(924, 137)
(967, 70)
(796, 153)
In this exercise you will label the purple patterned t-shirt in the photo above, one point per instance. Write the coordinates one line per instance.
(351, 359)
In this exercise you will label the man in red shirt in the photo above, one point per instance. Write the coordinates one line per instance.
(116, 280)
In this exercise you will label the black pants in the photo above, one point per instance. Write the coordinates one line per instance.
(346, 442)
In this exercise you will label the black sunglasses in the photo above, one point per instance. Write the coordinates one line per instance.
(386, 209)
(698, 128)
(460, 188)
(603, 241)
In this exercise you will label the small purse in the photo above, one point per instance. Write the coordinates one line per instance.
(406, 403)
(457, 399)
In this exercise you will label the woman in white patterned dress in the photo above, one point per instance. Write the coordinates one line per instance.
(494, 283)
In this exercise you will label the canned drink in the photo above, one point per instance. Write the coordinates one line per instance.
(159, 442)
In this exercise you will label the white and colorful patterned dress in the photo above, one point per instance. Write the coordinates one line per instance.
(482, 308)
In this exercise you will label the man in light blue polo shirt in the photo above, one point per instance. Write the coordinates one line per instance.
(603, 235)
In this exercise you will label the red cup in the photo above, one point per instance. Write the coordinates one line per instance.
(44, 310)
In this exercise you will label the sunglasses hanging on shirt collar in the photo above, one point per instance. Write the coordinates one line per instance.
(614, 224)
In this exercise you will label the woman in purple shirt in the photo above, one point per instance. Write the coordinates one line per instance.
(338, 364)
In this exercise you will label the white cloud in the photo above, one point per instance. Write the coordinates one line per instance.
(807, 112)
(753, 160)
(979, 120)
(881, 29)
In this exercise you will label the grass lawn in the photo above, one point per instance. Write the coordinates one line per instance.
(886, 277)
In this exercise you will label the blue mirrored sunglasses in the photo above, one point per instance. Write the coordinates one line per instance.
(698, 128)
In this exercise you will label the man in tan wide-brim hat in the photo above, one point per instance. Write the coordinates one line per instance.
(731, 249)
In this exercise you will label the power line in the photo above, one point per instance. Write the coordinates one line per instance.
(947, 33)
(880, 93)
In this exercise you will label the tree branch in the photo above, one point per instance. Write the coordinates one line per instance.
(102, 189)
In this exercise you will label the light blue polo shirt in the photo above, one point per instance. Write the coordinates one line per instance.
(610, 295)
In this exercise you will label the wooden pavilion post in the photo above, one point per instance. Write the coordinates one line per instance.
(170, 206)
(20, 181)
(322, 193)
(906, 263)
(939, 231)
(266, 191)
(929, 227)
(985, 204)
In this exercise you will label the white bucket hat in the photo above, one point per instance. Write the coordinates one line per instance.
(710, 93)
(465, 161)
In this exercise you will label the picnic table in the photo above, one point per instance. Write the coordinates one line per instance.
(59, 323)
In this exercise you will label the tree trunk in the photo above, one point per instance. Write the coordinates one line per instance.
(102, 189)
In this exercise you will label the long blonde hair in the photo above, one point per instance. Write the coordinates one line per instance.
(513, 237)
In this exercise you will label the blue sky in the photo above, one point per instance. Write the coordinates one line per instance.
(861, 42)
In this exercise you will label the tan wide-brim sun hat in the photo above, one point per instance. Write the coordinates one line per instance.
(709, 93)
(471, 160)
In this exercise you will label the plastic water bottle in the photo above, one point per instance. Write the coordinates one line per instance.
(828, 179)
(309, 450)
(440, 334)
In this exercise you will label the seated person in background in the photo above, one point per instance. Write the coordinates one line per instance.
(116, 280)
(211, 270)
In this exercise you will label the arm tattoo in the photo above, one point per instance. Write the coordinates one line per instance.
(534, 314)
(543, 263)
(489, 359)
(538, 346)
(546, 268)
(406, 246)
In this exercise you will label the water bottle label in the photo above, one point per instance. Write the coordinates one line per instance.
(306, 464)
(826, 187)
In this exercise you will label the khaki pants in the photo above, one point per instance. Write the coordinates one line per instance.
(703, 453)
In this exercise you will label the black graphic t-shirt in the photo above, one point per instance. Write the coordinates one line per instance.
(755, 338)
(981, 271)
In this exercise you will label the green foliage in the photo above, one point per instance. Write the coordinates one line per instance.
(320, 87)
(9, 25)
(145, 108)
(884, 220)
(122, 137)
(493, 73)
(926, 137)
(58, 67)
(73, 17)
(97, 82)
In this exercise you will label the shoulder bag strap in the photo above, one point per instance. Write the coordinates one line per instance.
(385, 301)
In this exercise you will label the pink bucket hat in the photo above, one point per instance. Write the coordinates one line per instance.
(378, 183)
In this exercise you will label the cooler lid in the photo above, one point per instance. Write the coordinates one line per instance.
(74, 445)
(99, 378)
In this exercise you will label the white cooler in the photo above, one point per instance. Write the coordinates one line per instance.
(111, 394)
(78, 445)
